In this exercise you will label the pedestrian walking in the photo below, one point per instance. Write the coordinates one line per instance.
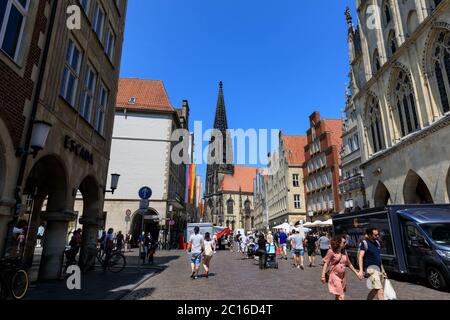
(370, 264)
(109, 247)
(297, 243)
(311, 245)
(244, 241)
(238, 241)
(338, 261)
(196, 247)
(324, 245)
(75, 245)
(210, 250)
(119, 241)
(128, 242)
(262, 251)
(40, 235)
(282, 239)
(149, 248)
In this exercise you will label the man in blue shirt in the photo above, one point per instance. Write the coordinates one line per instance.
(370, 263)
(282, 237)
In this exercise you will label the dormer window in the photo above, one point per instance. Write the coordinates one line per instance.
(132, 100)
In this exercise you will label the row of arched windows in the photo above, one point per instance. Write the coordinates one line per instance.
(403, 98)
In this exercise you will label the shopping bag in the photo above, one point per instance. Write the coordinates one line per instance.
(389, 292)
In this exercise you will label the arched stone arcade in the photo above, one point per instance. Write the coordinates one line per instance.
(415, 190)
(382, 196)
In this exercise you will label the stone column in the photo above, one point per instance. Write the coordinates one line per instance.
(6, 207)
(55, 242)
(90, 222)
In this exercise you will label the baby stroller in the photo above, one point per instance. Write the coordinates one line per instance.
(271, 256)
(251, 250)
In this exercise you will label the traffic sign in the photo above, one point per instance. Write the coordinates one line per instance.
(128, 213)
(145, 193)
(143, 205)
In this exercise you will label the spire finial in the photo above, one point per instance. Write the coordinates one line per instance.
(348, 15)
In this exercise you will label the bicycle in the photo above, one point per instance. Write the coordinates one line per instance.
(116, 262)
(13, 279)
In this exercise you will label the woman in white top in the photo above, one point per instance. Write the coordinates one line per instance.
(210, 249)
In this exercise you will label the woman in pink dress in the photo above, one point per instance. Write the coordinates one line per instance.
(338, 261)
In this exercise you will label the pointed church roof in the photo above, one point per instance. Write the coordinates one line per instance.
(220, 120)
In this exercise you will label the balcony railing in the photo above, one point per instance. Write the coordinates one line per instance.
(352, 183)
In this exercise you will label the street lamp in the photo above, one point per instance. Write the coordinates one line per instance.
(114, 182)
(39, 136)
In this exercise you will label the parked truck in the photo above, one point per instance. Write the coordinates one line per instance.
(415, 239)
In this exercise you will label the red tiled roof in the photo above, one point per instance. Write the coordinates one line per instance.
(149, 95)
(295, 149)
(335, 126)
(242, 179)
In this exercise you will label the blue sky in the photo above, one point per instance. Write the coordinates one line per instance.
(279, 60)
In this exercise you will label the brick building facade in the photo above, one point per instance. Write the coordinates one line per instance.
(321, 170)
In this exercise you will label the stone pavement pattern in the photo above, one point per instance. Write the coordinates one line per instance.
(233, 278)
(96, 285)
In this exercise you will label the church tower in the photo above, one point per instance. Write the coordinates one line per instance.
(216, 170)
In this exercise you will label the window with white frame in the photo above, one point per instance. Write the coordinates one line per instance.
(71, 73)
(85, 4)
(87, 99)
(110, 42)
(297, 203)
(295, 181)
(101, 109)
(13, 15)
(99, 21)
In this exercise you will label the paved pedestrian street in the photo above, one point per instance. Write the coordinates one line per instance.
(233, 278)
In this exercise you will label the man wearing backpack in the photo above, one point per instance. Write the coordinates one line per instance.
(370, 263)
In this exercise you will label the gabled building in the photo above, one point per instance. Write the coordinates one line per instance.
(141, 153)
(285, 185)
(321, 170)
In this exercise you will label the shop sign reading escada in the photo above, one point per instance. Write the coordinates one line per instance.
(78, 149)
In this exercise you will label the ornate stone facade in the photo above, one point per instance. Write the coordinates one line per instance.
(400, 89)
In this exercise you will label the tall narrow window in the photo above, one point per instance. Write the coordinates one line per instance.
(403, 98)
(387, 12)
(85, 4)
(297, 202)
(99, 22)
(87, 99)
(441, 61)
(230, 204)
(376, 62)
(375, 126)
(13, 15)
(101, 109)
(295, 181)
(110, 42)
(71, 73)
(392, 41)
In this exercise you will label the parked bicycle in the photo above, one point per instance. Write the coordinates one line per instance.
(116, 263)
(13, 279)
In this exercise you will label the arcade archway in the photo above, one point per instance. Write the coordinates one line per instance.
(47, 181)
(415, 190)
(382, 196)
(147, 223)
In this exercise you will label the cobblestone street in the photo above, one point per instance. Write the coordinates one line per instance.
(233, 278)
